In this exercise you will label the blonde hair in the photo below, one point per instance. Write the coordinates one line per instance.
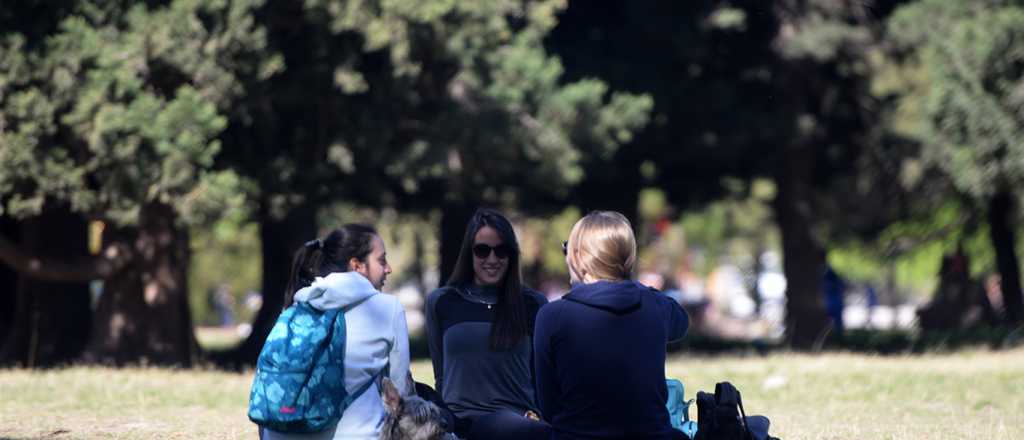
(602, 245)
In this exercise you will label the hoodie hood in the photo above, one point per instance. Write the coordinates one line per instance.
(336, 290)
(618, 297)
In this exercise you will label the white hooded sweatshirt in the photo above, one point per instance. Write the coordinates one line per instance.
(375, 334)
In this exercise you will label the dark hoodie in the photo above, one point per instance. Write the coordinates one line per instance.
(600, 361)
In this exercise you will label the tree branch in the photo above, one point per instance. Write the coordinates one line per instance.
(113, 259)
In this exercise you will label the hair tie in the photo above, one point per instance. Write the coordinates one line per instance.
(315, 244)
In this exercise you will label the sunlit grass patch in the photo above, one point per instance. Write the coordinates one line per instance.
(974, 394)
(218, 338)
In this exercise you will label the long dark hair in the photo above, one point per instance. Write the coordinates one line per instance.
(332, 253)
(510, 314)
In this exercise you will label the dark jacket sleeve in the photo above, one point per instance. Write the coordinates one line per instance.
(539, 300)
(677, 321)
(546, 377)
(434, 338)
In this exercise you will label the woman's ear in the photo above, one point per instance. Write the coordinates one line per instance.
(355, 265)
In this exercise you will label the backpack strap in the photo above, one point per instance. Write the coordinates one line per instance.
(743, 416)
(729, 395)
(362, 389)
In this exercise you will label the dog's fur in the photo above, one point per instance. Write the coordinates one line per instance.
(410, 418)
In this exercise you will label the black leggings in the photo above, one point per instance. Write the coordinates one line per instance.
(498, 425)
(505, 424)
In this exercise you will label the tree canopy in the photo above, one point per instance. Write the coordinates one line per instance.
(139, 123)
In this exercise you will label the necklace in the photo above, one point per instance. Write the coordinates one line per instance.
(472, 297)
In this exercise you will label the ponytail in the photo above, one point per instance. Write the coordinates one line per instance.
(320, 257)
(307, 257)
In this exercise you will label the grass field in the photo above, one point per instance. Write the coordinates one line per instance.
(968, 395)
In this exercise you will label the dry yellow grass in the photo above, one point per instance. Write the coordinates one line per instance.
(976, 394)
(969, 395)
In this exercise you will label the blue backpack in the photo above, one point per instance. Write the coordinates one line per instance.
(679, 408)
(299, 385)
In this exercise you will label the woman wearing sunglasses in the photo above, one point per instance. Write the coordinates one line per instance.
(479, 328)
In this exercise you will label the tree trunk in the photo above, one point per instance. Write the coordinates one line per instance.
(1001, 232)
(143, 314)
(8, 281)
(279, 239)
(454, 217)
(417, 267)
(14, 347)
(803, 258)
(50, 319)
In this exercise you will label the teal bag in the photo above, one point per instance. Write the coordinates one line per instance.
(299, 386)
(679, 408)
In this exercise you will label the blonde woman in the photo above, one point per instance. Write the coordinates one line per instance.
(600, 353)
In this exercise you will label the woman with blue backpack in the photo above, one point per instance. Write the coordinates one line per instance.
(317, 375)
(600, 351)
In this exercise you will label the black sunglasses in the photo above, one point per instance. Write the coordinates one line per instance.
(483, 251)
(565, 248)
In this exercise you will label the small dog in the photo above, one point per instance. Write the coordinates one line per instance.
(410, 418)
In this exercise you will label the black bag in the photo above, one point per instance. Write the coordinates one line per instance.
(721, 417)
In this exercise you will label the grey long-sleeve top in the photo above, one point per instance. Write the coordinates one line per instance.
(473, 379)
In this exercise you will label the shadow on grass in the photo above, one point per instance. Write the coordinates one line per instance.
(58, 434)
(884, 342)
(902, 342)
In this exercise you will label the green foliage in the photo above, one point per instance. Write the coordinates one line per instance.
(975, 110)
(227, 253)
(545, 126)
(909, 251)
(734, 229)
(225, 247)
(541, 241)
(653, 204)
(418, 103)
(230, 111)
(823, 33)
(117, 109)
(856, 263)
(908, 79)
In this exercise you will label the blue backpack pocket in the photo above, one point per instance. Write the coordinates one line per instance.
(679, 408)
